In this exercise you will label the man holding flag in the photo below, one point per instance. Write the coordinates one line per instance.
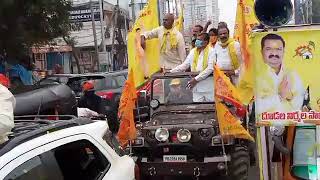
(172, 45)
(228, 54)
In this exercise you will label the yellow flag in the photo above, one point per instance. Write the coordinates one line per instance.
(178, 24)
(225, 92)
(127, 130)
(245, 21)
(144, 62)
(229, 125)
(224, 89)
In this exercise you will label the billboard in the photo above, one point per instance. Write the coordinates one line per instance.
(287, 101)
(286, 80)
(82, 12)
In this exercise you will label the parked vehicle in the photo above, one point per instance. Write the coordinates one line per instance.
(183, 129)
(56, 99)
(62, 150)
(107, 85)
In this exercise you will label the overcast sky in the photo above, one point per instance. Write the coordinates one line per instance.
(228, 10)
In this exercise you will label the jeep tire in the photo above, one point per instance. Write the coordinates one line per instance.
(240, 163)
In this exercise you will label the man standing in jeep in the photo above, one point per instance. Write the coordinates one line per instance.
(200, 59)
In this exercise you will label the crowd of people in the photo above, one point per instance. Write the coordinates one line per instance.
(209, 47)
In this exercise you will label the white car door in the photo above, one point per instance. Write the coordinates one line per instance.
(74, 157)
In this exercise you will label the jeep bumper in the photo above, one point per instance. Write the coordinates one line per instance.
(209, 166)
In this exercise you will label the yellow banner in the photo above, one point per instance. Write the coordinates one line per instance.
(286, 80)
(144, 62)
(127, 130)
(245, 21)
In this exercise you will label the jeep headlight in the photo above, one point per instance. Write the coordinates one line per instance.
(162, 134)
(184, 135)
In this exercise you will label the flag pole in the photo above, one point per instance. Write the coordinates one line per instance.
(158, 12)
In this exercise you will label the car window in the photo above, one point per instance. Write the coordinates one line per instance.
(43, 167)
(100, 84)
(106, 83)
(79, 160)
(175, 91)
(121, 80)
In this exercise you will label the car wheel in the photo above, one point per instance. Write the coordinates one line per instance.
(240, 163)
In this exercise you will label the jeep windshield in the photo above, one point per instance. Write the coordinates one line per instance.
(175, 91)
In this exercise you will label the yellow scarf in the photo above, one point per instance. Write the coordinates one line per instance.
(232, 52)
(173, 40)
(196, 57)
(266, 86)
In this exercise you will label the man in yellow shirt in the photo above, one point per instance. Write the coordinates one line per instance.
(172, 45)
(279, 89)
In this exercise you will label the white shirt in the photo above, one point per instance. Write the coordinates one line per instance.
(189, 62)
(204, 87)
(268, 100)
(7, 102)
(223, 58)
(171, 58)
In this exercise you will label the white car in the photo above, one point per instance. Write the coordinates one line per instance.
(63, 150)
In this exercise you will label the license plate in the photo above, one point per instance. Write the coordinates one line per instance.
(174, 158)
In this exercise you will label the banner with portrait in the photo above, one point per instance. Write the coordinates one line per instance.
(287, 101)
(287, 88)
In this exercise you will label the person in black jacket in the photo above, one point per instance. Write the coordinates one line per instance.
(95, 103)
(90, 100)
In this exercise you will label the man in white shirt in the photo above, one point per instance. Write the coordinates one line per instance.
(200, 59)
(7, 102)
(172, 45)
(228, 54)
(279, 89)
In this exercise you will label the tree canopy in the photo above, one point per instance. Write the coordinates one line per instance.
(24, 23)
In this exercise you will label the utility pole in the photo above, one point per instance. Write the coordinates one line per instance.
(94, 37)
(115, 25)
(102, 26)
(102, 22)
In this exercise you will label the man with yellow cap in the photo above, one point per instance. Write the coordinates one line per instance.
(172, 45)
(176, 94)
(200, 59)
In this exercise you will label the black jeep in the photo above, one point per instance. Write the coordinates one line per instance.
(181, 137)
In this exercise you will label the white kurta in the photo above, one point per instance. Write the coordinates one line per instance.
(204, 89)
(224, 61)
(7, 102)
(171, 58)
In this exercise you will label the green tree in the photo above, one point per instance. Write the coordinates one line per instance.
(24, 23)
